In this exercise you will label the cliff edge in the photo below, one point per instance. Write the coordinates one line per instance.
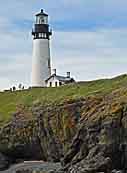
(82, 125)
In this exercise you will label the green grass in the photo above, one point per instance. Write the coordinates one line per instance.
(9, 100)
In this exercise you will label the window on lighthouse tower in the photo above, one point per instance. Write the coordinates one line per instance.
(41, 19)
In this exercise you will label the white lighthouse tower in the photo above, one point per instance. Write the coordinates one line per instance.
(41, 67)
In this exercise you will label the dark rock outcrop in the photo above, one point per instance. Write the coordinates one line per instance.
(88, 135)
(100, 144)
(40, 133)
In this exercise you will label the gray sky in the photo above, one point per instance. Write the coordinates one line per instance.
(89, 38)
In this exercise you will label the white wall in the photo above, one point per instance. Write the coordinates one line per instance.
(41, 56)
(53, 80)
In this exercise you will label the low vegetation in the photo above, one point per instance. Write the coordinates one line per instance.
(9, 101)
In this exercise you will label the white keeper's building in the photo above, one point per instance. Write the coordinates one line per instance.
(41, 61)
(56, 80)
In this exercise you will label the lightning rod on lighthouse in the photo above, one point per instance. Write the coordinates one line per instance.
(41, 67)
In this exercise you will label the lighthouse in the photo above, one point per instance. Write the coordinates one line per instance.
(41, 66)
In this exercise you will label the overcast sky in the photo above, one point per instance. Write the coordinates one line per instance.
(89, 38)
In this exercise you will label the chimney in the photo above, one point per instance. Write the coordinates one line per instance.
(54, 71)
(68, 74)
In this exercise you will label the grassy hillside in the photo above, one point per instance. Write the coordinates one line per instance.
(10, 100)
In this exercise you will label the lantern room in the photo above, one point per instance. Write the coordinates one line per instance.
(41, 18)
(41, 28)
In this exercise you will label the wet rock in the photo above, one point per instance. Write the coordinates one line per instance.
(4, 162)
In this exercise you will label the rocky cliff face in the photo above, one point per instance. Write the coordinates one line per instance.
(87, 135)
(100, 144)
(40, 133)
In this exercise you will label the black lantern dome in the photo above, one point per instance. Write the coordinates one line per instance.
(41, 13)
